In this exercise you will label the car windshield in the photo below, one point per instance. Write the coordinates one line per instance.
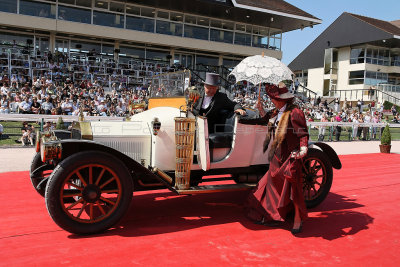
(171, 84)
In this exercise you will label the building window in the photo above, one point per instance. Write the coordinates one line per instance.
(140, 24)
(230, 63)
(14, 40)
(156, 55)
(260, 41)
(37, 9)
(108, 19)
(378, 56)
(357, 55)
(196, 32)
(376, 78)
(74, 14)
(101, 4)
(8, 6)
(221, 36)
(85, 3)
(356, 77)
(205, 60)
(169, 28)
(243, 39)
(133, 52)
(395, 60)
(275, 41)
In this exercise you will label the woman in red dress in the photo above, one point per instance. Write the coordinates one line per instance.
(280, 190)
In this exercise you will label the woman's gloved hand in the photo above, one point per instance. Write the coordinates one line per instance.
(300, 153)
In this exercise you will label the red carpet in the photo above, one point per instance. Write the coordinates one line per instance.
(357, 225)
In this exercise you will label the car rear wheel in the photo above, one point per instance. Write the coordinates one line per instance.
(89, 192)
(40, 173)
(317, 177)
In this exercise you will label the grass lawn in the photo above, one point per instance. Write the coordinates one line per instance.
(12, 132)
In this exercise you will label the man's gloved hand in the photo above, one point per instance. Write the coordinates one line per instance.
(241, 111)
(300, 154)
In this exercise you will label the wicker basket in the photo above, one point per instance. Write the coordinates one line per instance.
(184, 141)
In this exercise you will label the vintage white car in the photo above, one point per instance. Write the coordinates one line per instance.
(88, 175)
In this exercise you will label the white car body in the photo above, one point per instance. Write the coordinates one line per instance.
(137, 140)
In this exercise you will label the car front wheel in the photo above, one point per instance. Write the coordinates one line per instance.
(88, 192)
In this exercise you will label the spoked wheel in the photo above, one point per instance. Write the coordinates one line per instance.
(40, 173)
(89, 192)
(317, 177)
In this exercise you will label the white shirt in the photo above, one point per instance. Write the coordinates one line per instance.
(280, 113)
(206, 101)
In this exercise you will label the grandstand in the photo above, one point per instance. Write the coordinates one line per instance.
(125, 42)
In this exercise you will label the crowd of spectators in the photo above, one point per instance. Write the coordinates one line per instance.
(44, 96)
(55, 90)
(321, 110)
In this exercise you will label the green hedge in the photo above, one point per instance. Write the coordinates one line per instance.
(388, 106)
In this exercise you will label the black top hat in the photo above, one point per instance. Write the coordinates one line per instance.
(212, 79)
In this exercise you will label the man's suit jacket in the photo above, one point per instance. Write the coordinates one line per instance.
(220, 103)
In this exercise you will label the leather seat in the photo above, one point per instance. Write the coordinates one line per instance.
(221, 140)
(224, 136)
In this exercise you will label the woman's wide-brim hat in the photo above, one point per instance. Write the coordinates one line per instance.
(279, 92)
(212, 79)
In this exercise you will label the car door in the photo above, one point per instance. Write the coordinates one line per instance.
(202, 143)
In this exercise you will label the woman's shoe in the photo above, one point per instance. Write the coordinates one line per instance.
(297, 230)
(271, 223)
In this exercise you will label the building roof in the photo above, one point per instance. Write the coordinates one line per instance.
(274, 5)
(347, 30)
(386, 26)
(396, 22)
(276, 14)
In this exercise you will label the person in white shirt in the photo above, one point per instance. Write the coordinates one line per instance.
(25, 106)
(4, 89)
(367, 119)
(66, 107)
(47, 106)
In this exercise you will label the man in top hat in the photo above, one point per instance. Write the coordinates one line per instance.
(280, 189)
(212, 103)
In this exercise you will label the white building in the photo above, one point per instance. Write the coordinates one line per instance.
(356, 57)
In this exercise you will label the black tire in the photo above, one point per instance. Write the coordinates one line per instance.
(317, 177)
(89, 206)
(38, 175)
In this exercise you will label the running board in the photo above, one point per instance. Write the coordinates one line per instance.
(215, 188)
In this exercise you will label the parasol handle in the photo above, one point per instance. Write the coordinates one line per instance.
(259, 87)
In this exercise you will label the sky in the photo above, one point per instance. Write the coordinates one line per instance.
(294, 42)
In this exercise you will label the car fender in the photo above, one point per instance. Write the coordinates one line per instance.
(62, 134)
(328, 150)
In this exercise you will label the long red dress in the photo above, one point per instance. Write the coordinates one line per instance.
(275, 193)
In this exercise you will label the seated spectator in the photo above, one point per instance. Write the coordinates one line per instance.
(48, 126)
(4, 105)
(25, 106)
(47, 106)
(66, 107)
(35, 107)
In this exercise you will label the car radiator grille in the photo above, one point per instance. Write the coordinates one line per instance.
(137, 148)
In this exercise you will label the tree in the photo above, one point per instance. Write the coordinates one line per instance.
(60, 124)
(386, 137)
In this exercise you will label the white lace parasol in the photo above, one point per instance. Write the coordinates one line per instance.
(261, 69)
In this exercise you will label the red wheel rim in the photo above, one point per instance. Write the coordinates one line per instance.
(91, 193)
(314, 178)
